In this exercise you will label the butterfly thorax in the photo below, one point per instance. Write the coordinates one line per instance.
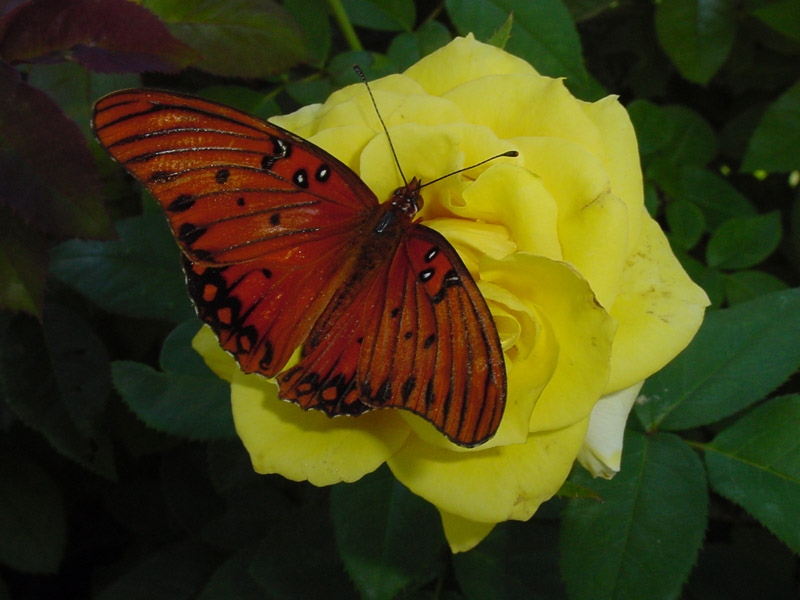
(376, 243)
(398, 211)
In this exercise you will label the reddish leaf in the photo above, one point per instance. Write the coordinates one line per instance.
(237, 38)
(109, 36)
(23, 265)
(47, 175)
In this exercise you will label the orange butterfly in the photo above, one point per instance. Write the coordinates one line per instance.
(283, 245)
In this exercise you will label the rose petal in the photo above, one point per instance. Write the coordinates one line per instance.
(424, 151)
(592, 223)
(307, 445)
(489, 486)
(659, 309)
(303, 121)
(395, 109)
(207, 345)
(462, 534)
(582, 331)
(540, 107)
(346, 143)
(474, 239)
(401, 84)
(601, 452)
(620, 158)
(511, 196)
(464, 59)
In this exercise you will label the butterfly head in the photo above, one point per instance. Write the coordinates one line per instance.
(407, 199)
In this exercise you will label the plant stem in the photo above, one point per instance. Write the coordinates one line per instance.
(345, 25)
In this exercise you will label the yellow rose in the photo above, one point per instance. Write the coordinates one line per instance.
(587, 296)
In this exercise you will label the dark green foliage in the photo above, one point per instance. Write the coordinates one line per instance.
(120, 473)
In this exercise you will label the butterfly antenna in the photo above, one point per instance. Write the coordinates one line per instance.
(358, 70)
(510, 153)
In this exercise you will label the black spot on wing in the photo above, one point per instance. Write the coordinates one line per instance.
(408, 387)
(300, 178)
(221, 176)
(323, 173)
(189, 233)
(181, 203)
(162, 176)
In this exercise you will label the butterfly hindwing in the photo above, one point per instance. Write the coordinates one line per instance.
(417, 335)
(447, 363)
(263, 309)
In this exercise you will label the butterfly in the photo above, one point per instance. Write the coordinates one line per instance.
(285, 247)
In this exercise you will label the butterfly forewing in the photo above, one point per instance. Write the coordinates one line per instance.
(234, 187)
(263, 217)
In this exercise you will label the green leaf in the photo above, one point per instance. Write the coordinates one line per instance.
(711, 280)
(744, 242)
(570, 489)
(383, 15)
(775, 145)
(309, 91)
(739, 355)
(298, 557)
(175, 572)
(692, 140)
(241, 97)
(75, 89)
(717, 198)
(187, 490)
(516, 560)
(33, 527)
(408, 48)
(374, 66)
(55, 379)
(756, 463)
(23, 265)
(396, 540)
(783, 17)
(543, 34)
(312, 16)
(653, 131)
(187, 399)
(696, 34)
(692, 143)
(232, 580)
(744, 286)
(649, 526)
(502, 34)
(238, 38)
(746, 563)
(138, 275)
(686, 224)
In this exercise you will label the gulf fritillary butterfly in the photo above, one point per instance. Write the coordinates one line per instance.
(283, 245)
